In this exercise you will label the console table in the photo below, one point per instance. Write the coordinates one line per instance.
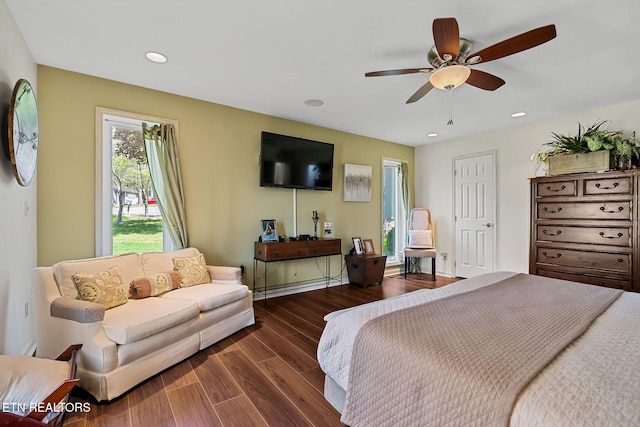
(267, 252)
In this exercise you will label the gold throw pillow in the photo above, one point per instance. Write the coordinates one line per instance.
(192, 269)
(105, 288)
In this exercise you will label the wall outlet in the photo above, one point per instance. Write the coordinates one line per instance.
(26, 310)
(445, 255)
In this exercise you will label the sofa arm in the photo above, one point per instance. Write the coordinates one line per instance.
(224, 273)
(77, 310)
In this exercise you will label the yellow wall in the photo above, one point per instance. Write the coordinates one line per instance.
(219, 149)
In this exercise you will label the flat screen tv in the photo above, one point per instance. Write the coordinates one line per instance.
(290, 162)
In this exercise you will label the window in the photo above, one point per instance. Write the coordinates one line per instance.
(127, 219)
(393, 212)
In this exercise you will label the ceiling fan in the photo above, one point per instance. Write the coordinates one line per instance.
(450, 58)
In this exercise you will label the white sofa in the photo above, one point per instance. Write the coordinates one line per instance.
(125, 345)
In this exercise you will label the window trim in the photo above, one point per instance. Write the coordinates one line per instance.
(401, 226)
(103, 189)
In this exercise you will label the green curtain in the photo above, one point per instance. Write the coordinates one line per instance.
(403, 169)
(164, 166)
(404, 188)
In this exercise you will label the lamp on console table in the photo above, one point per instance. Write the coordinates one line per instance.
(315, 223)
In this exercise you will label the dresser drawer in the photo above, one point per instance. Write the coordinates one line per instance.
(324, 247)
(619, 185)
(274, 251)
(557, 188)
(590, 280)
(619, 263)
(584, 210)
(619, 236)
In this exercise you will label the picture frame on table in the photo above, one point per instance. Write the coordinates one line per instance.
(368, 247)
(357, 245)
(269, 230)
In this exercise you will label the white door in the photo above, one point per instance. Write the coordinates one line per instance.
(474, 183)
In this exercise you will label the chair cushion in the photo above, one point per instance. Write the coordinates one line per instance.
(25, 380)
(209, 296)
(420, 219)
(421, 239)
(141, 318)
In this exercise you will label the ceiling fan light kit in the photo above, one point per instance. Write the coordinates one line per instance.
(450, 58)
(449, 77)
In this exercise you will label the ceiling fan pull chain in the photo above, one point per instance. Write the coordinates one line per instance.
(450, 122)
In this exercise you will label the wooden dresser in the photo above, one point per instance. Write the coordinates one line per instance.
(584, 228)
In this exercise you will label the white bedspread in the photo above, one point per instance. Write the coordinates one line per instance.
(595, 381)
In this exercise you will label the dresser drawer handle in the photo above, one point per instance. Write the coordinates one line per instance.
(620, 209)
(615, 184)
(610, 237)
(552, 256)
(547, 210)
(557, 233)
(620, 260)
(556, 190)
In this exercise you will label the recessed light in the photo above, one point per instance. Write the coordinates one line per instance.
(432, 134)
(314, 102)
(156, 57)
(519, 114)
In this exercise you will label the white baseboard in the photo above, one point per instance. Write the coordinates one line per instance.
(294, 289)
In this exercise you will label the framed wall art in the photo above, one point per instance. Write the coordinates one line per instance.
(357, 183)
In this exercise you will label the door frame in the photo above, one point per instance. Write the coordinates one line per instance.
(454, 243)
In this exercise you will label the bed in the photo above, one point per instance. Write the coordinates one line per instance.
(587, 374)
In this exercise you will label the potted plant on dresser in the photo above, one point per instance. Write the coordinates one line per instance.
(593, 149)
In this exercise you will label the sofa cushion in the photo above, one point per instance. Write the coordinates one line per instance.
(193, 270)
(155, 284)
(129, 265)
(141, 318)
(159, 262)
(209, 296)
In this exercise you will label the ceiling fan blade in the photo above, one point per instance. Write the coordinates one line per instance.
(446, 36)
(483, 80)
(420, 92)
(396, 72)
(516, 44)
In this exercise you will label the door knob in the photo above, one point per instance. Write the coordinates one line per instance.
(487, 225)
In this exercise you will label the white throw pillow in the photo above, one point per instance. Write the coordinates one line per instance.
(421, 239)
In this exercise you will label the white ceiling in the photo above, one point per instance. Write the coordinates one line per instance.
(271, 56)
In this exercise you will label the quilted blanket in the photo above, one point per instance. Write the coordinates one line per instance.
(464, 359)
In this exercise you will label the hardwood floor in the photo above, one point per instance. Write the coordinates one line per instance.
(264, 375)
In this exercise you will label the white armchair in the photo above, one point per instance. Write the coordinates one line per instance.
(421, 233)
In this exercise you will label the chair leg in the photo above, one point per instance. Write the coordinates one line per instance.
(406, 264)
(433, 268)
